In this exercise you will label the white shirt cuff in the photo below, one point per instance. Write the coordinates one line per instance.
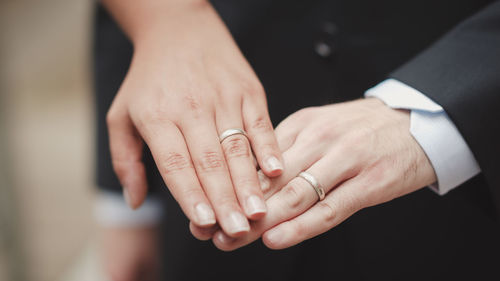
(111, 210)
(441, 141)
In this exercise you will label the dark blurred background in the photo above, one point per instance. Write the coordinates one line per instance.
(46, 138)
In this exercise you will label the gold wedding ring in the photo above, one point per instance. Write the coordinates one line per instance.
(231, 132)
(314, 183)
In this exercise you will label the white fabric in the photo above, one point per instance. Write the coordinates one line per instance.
(443, 144)
(111, 210)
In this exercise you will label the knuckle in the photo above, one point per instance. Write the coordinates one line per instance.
(325, 136)
(261, 123)
(191, 194)
(307, 138)
(252, 87)
(236, 146)
(327, 212)
(155, 115)
(119, 168)
(193, 104)
(293, 196)
(350, 145)
(228, 201)
(245, 182)
(361, 135)
(173, 162)
(304, 112)
(112, 118)
(210, 161)
(298, 229)
(351, 204)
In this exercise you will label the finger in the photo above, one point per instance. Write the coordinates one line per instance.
(290, 202)
(287, 130)
(203, 233)
(297, 158)
(261, 135)
(240, 162)
(338, 205)
(296, 197)
(126, 154)
(212, 171)
(173, 161)
(286, 134)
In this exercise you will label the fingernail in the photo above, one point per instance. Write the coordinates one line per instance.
(274, 236)
(256, 205)
(205, 214)
(126, 195)
(223, 238)
(238, 223)
(264, 181)
(273, 164)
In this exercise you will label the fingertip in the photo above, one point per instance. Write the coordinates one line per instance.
(264, 182)
(255, 207)
(257, 216)
(204, 215)
(273, 239)
(202, 233)
(272, 166)
(236, 225)
(133, 178)
(222, 241)
(133, 201)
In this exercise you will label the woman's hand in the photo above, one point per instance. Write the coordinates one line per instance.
(187, 83)
(130, 253)
(361, 153)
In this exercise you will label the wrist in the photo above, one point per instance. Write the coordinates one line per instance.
(175, 25)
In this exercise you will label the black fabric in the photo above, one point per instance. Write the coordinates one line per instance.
(420, 236)
(112, 55)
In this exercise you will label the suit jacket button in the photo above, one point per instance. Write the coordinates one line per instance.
(329, 28)
(323, 49)
(324, 46)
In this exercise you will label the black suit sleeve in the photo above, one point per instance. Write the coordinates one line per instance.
(461, 72)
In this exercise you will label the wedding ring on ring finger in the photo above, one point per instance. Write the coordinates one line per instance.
(314, 183)
(231, 132)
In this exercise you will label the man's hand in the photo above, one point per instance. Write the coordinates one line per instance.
(187, 83)
(130, 254)
(361, 153)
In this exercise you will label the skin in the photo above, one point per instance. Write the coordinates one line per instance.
(187, 83)
(362, 154)
(183, 89)
(130, 254)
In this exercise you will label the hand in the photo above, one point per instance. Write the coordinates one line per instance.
(360, 152)
(130, 253)
(187, 83)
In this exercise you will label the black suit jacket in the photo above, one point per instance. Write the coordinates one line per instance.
(449, 50)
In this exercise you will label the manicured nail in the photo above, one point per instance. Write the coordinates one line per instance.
(126, 195)
(223, 238)
(264, 181)
(205, 214)
(274, 236)
(255, 205)
(238, 223)
(273, 164)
